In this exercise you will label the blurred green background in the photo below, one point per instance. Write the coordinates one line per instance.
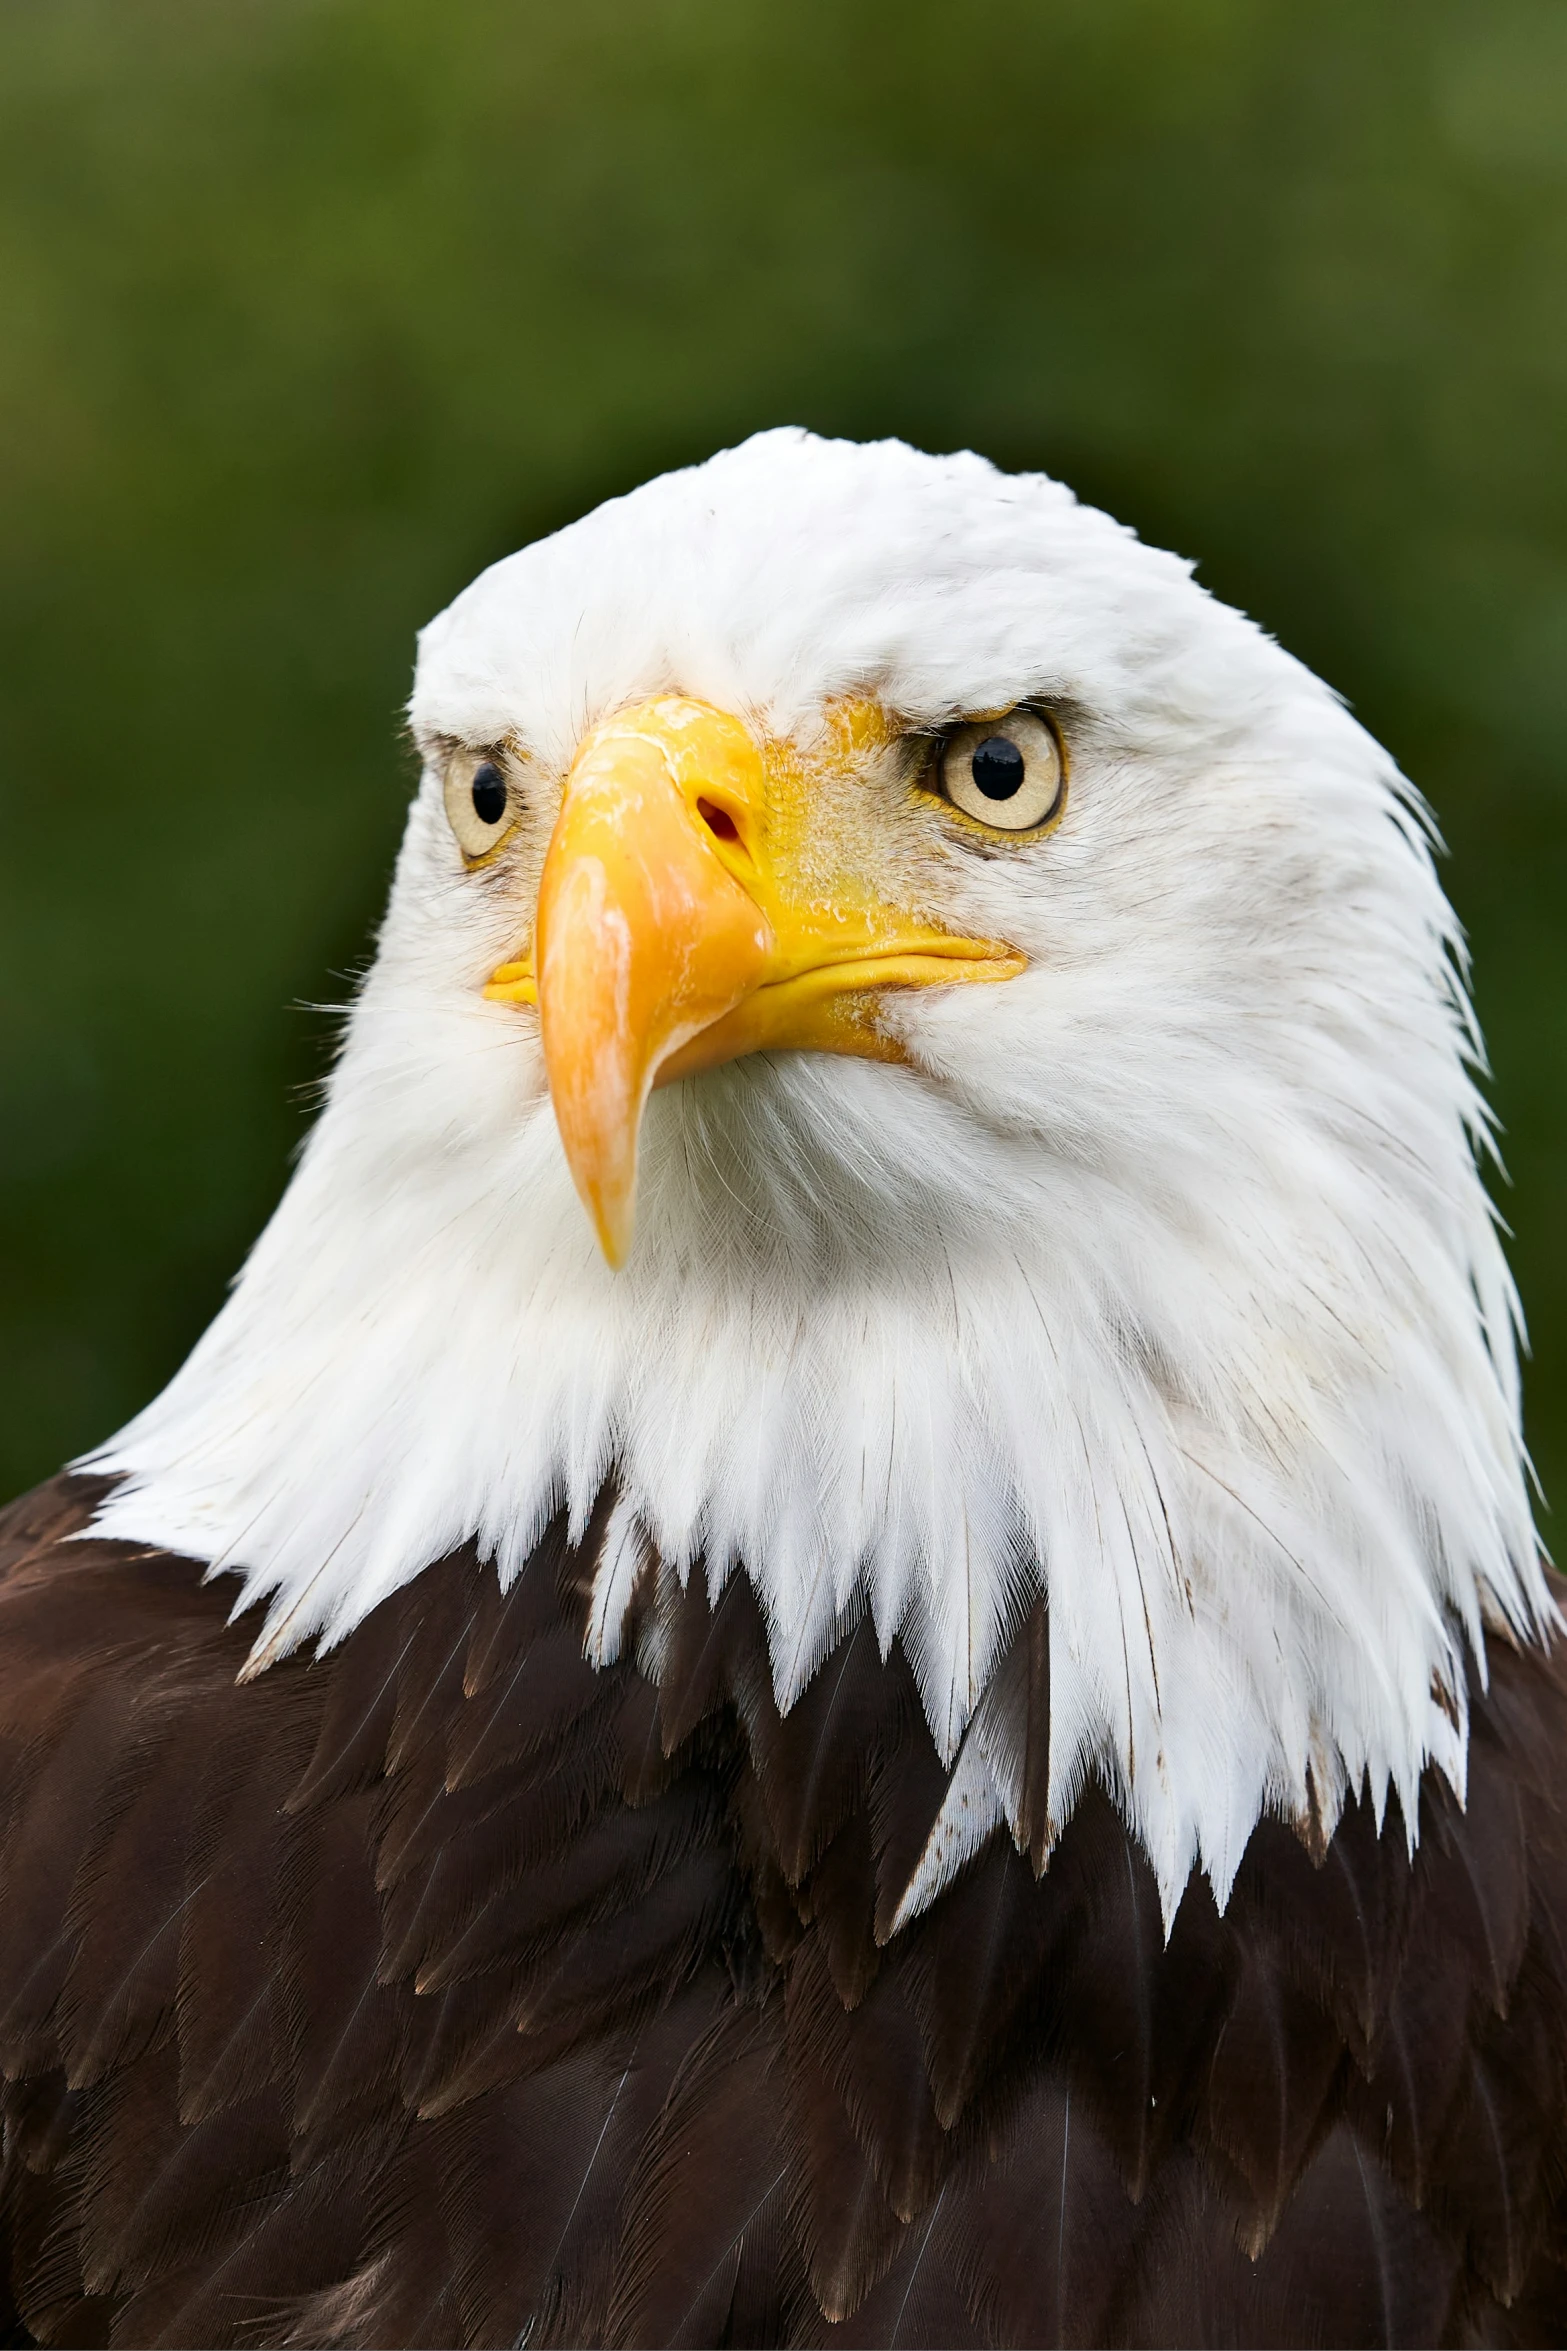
(309, 308)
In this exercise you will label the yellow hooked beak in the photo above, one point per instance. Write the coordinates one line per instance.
(677, 927)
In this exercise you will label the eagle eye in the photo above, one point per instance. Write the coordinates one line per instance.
(479, 806)
(1007, 774)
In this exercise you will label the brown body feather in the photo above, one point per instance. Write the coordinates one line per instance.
(445, 1990)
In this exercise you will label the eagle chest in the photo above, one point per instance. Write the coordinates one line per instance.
(447, 1989)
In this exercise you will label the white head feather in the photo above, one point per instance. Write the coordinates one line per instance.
(1162, 1280)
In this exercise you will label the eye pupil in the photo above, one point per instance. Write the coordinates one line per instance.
(489, 793)
(998, 768)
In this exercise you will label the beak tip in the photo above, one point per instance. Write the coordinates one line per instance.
(614, 1222)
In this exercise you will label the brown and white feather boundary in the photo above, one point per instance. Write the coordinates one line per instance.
(447, 1989)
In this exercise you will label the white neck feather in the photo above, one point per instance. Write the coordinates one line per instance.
(1268, 1485)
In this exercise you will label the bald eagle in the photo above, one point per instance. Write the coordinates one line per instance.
(841, 1639)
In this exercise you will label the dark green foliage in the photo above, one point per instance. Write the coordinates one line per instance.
(311, 307)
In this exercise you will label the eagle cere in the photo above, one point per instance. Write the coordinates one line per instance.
(876, 1447)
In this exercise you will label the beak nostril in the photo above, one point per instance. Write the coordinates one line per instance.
(718, 821)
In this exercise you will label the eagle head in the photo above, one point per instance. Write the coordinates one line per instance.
(917, 1058)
